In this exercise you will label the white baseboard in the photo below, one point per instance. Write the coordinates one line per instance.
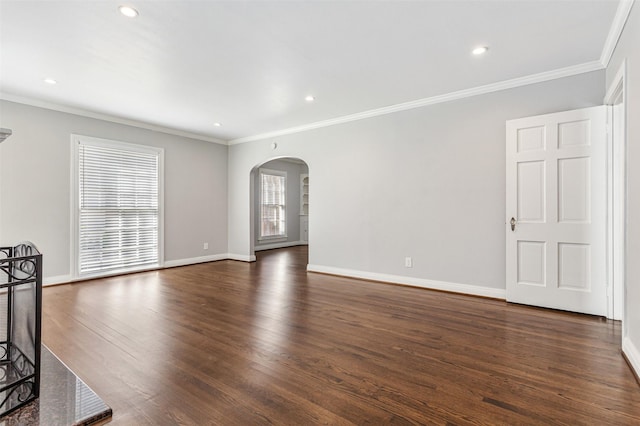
(60, 279)
(632, 353)
(194, 260)
(241, 257)
(64, 279)
(212, 258)
(280, 245)
(374, 276)
(475, 290)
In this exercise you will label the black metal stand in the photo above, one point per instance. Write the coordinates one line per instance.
(21, 308)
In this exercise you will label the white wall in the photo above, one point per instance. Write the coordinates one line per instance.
(35, 170)
(628, 48)
(427, 183)
(293, 171)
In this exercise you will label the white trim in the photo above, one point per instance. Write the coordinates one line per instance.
(611, 312)
(460, 94)
(106, 117)
(161, 206)
(241, 257)
(273, 172)
(194, 260)
(632, 353)
(280, 245)
(497, 293)
(76, 140)
(58, 279)
(617, 208)
(64, 279)
(617, 84)
(466, 93)
(73, 208)
(282, 174)
(119, 271)
(275, 239)
(622, 14)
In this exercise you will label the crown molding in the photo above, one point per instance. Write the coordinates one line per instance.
(107, 117)
(622, 14)
(460, 94)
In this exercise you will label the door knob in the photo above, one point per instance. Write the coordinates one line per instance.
(513, 223)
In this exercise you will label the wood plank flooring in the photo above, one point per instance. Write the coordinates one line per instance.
(232, 343)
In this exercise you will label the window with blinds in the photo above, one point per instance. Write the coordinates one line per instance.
(273, 189)
(118, 206)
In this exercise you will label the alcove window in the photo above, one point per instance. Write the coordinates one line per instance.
(273, 190)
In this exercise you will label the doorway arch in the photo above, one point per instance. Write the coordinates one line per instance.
(296, 210)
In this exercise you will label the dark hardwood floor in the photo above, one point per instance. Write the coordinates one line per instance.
(232, 343)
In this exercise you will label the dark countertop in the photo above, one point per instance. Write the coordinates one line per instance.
(64, 399)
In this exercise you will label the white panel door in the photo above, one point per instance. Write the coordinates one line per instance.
(556, 211)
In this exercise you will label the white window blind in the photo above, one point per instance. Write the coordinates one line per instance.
(273, 189)
(118, 207)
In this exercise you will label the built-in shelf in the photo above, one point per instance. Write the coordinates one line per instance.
(304, 207)
(304, 194)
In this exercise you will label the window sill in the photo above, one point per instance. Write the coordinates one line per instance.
(119, 271)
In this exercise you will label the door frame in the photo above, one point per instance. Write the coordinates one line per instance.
(617, 200)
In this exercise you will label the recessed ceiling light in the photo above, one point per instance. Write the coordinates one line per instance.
(128, 11)
(310, 98)
(50, 81)
(217, 124)
(480, 50)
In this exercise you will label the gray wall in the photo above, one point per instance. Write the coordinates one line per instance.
(292, 199)
(35, 185)
(628, 48)
(427, 183)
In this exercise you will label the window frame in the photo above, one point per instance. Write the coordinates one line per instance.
(280, 173)
(76, 141)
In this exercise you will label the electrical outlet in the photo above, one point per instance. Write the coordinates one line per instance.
(205, 246)
(408, 262)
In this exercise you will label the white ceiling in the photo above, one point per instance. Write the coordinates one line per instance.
(185, 65)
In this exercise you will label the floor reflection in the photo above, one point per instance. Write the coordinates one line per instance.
(273, 298)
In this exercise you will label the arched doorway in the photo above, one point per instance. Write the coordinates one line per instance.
(279, 204)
